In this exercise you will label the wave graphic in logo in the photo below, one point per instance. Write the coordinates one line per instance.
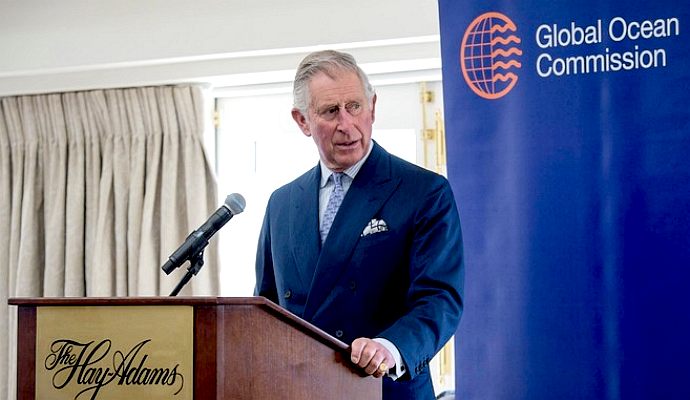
(489, 55)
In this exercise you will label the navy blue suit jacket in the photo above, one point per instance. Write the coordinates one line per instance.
(404, 284)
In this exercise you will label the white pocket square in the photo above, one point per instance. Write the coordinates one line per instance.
(374, 226)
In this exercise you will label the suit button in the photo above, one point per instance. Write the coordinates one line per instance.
(339, 333)
(288, 294)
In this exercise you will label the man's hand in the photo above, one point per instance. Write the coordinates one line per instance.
(372, 356)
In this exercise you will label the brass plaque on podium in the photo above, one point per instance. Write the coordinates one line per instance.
(114, 352)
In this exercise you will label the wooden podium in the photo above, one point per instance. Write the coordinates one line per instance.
(239, 348)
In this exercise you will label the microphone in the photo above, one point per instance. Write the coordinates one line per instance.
(198, 239)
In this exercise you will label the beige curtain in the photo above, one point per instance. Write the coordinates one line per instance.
(97, 188)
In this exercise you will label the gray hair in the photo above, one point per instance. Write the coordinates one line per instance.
(326, 61)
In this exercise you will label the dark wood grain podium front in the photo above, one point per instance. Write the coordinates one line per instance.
(241, 348)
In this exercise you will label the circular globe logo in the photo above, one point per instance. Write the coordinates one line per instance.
(488, 55)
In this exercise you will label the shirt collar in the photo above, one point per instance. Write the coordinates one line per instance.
(350, 172)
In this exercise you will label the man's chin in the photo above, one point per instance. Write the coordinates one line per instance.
(348, 159)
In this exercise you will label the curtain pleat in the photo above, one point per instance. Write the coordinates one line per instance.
(5, 252)
(75, 197)
(53, 135)
(98, 188)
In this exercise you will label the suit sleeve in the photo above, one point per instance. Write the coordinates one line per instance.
(434, 300)
(265, 278)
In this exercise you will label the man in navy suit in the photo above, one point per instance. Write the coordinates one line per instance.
(365, 245)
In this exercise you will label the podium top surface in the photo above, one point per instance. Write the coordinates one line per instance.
(143, 300)
(195, 301)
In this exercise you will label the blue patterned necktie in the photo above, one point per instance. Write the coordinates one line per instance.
(333, 204)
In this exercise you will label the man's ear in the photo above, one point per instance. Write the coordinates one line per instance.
(373, 108)
(301, 121)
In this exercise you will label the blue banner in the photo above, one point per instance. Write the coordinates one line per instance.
(568, 139)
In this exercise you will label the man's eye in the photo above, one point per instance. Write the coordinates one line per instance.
(330, 111)
(353, 108)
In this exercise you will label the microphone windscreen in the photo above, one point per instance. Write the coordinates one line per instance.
(235, 203)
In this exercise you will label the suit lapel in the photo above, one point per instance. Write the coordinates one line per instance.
(372, 186)
(304, 235)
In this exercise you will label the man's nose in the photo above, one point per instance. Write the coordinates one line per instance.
(345, 120)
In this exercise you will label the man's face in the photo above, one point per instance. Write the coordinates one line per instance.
(339, 118)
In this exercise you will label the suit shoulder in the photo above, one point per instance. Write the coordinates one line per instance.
(416, 174)
(303, 181)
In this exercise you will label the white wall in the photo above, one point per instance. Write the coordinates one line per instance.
(48, 46)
